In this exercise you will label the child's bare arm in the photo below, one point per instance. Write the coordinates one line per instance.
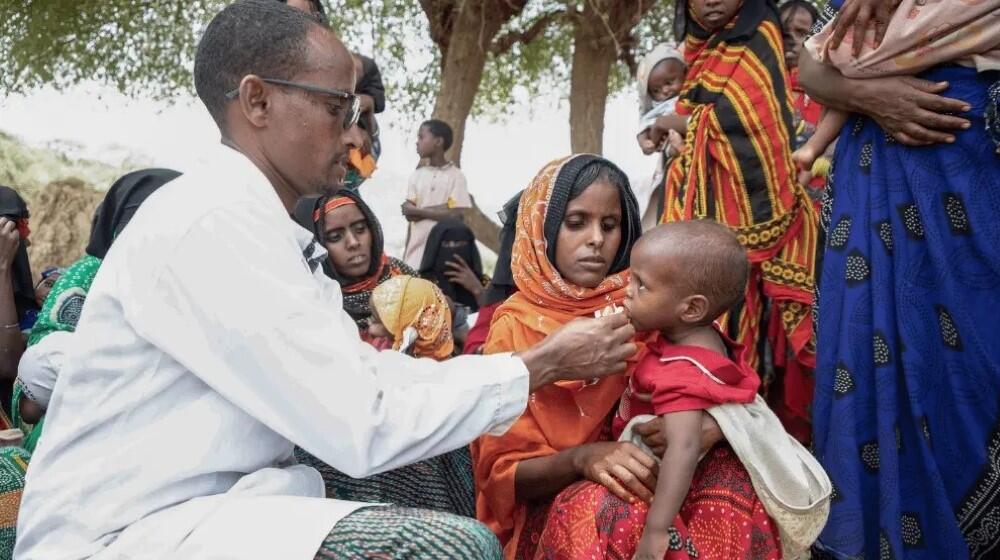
(683, 430)
(645, 142)
(826, 132)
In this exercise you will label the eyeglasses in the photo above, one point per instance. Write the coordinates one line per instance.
(350, 117)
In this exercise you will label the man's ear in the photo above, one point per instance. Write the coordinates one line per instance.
(255, 100)
(694, 309)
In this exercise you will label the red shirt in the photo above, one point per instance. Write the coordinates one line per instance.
(684, 378)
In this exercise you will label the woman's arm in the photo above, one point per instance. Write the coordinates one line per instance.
(11, 340)
(909, 109)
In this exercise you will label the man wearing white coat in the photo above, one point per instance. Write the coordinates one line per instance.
(211, 344)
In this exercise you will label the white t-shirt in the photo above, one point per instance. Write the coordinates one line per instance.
(432, 186)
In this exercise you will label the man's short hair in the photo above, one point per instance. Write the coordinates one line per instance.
(442, 131)
(261, 37)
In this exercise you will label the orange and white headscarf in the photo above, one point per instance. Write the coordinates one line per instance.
(417, 314)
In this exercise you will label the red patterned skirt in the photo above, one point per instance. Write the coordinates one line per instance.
(721, 518)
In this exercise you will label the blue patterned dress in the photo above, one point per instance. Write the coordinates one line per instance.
(908, 375)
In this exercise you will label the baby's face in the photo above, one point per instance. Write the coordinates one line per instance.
(666, 80)
(653, 300)
(375, 327)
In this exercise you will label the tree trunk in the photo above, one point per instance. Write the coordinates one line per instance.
(593, 54)
(461, 72)
(601, 34)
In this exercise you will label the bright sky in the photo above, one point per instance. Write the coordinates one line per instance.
(498, 159)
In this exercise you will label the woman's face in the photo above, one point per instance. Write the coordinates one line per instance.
(715, 14)
(348, 239)
(590, 235)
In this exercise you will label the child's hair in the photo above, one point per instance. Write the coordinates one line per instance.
(789, 7)
(441, 130)
(715, 264)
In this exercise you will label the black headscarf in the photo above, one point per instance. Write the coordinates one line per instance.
(502, 285)
(562, 192)
(748, 20)
(436, 257)
(309, 207)
(121, 203)
(13, 207)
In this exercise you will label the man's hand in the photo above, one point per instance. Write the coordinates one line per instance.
(621, 467)
(9, 241)
(652, 433)
(859, 14)
(581, 350)
(411, 212)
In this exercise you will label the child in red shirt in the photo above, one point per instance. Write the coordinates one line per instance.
(685, 275)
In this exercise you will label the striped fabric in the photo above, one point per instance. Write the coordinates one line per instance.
(13, 464)
(443, 483)
(394, 533)
(737, 169)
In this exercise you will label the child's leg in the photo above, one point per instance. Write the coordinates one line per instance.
(826, 132)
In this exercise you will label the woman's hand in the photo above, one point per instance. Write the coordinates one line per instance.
(912, 110)
(9, 241)
(859, 14)
(653, 436)
(459, 272)
(621, 467)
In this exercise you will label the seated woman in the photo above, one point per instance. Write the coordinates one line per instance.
(452, 262)
(583, 209)
(352, 236)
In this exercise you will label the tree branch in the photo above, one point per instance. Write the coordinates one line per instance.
(503, 43)
(441, 17)
(627, 55)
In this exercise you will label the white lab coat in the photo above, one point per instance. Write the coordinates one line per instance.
(210, 345)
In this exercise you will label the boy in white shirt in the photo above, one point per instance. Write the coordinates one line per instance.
(436, 191)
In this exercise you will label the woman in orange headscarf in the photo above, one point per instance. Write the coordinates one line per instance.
(576, 225)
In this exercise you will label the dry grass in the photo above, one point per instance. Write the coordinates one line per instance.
(61, 215)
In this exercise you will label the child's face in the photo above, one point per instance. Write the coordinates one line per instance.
(715, 14)
(376, 329)
(427, 143)
(666, 80)
(653, 300)
(590, 235)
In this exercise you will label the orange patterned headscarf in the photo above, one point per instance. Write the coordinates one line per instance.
(543, 205)
(416, 313)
